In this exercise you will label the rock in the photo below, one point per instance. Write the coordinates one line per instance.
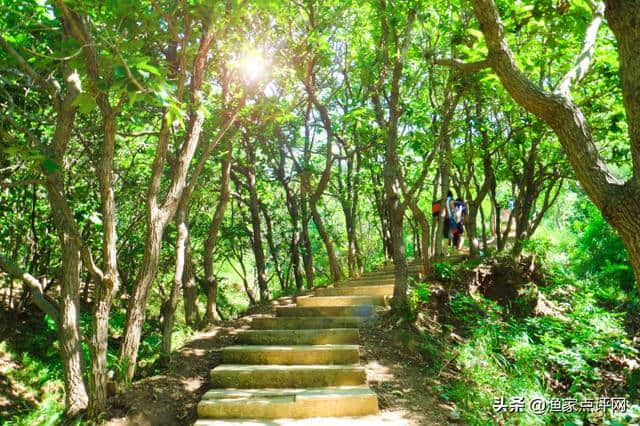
(454, 415)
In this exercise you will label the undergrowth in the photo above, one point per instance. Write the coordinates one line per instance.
(587, 348)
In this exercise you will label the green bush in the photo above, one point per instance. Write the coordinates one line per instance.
(598, 250)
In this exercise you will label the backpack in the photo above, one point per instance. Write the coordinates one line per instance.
(461, 205)
(436, 208)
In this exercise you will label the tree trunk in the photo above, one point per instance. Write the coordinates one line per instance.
(351, 241)
(190, 289)
(139, 295)
(107, 287)
(295, 259)
(169, 307)
(632, 243)
(307, 254)
(272, 247)
(483, 224)
(76, 398)
(472, 229)
(399, 301)
(425, 235)
(211, 313)
(256, 225)
(568, 121)
(292, 208)
(334, 265)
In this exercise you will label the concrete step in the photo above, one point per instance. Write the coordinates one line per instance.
(335, 336)
(325, 311)
(376, 274)
(340, 300)
(292, 323)
(372, 290)
(288, 403)
(386, 275)
(383, 418)
(365, 283)
(291, 354)
(286, 376)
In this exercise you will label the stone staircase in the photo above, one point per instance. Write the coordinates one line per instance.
(301, 364)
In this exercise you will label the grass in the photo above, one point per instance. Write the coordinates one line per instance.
(578, 354)
(36, 386)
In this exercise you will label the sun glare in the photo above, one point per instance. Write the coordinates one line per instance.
(253, 66)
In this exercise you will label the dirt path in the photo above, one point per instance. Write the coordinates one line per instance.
(396, 376)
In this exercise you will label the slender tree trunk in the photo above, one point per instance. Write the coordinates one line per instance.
(293, 209)
(106, 288)
(397, 217)
(351, 250)
(169, 307)
(76, 398)
(295, 260)
(307, 254)
(334, 265)
(632, 243)
(296, 238)
(137, 302)
(471, 226)
(211, 313)
(272, 246)
(425, 235)
(256, 225)
(483, 224)
(190, 289)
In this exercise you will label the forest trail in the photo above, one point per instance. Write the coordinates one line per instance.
(303, 365)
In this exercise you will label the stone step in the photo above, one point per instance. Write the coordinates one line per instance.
(288, 403)
(340, 300)
(291, 354)
(328, 336)
(293, 323)
(372, 290)
(286, 376)
(383, 418)
(365, 283)
(385, 276)
(325, 311)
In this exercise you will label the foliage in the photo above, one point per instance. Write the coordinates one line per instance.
(579, 352)
(266, 145)
(444, 271)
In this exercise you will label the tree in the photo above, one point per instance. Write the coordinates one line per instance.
(568, 121)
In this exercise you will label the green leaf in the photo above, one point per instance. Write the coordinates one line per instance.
(50, 167)
(149, 68)
(476, 33)
(85, 103)
(120, 72)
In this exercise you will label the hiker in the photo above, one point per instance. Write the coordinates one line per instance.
(450, 223)
(460, 214)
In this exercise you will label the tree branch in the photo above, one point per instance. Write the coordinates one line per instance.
(464, 66)
(36, 287)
